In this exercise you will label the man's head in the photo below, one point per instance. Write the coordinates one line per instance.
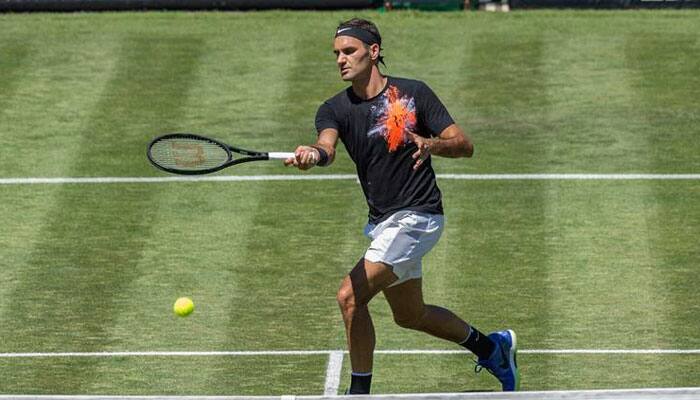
(357, 46)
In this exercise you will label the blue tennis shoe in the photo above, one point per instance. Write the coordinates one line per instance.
(502, 363)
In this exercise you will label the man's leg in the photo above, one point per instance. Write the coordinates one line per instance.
(362, 283)
(406, 301)
(496, 351)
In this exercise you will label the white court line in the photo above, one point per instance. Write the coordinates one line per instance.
(613, 351)
(319, 177)
(169, 353)
(556, 351)
(327, 352)
(335, 366)
(167, 179)
(585, 177)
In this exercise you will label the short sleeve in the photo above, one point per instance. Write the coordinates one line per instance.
(431, 112)
(325, 118)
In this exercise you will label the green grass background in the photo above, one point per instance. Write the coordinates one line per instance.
(567, 264)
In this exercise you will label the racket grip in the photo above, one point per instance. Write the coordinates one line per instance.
(280, 156)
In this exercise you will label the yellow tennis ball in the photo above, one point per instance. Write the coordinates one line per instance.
(183, 306)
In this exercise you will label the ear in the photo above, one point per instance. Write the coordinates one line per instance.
(374, 51)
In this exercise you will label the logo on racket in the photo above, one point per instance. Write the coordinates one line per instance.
(187, 155)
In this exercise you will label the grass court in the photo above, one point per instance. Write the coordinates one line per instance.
(568, 264)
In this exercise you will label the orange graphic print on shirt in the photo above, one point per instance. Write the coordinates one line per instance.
(395, 116)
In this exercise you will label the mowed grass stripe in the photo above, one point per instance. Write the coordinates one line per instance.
(15, 233)
(241, 93)
(600, 268)
(199, 249)
(201, 231)
(339, 242)
(490, 273)
(196, 236)
(595, 120)
(608, 371)
(670, 106)
(14, 60)
(288, 272)
(503, 99)
(90, 245)
(23, 211)
(499, 93)
(271, 258)
(299, 284)
(309, 48)
(45, 112)
(662, 69)
(455, 373)
(160, 376)
(48, 102)
(675, 233)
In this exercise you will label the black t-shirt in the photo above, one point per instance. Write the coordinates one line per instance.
(374, 132)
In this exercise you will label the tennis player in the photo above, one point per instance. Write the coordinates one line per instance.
(391, 127)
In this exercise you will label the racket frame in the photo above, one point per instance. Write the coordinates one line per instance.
(250, 155)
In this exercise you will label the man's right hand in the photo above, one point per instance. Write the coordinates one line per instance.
(304, 158)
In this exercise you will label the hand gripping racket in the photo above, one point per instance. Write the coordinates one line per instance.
(190, 154)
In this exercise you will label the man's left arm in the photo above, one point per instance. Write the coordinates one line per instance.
(451, 142)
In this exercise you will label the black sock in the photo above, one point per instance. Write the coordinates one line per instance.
(479, 344)
(360, 383)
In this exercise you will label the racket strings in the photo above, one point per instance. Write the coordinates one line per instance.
(189, 154)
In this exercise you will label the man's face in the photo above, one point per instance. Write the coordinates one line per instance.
(352, 56)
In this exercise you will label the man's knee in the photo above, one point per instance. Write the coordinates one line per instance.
(346, 298)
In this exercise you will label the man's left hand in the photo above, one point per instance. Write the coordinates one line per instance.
(423, 151)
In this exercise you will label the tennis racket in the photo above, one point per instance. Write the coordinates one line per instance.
(190, 154)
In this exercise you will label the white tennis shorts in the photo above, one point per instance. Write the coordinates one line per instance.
(402, 240)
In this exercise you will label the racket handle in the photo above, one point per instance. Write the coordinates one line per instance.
(280, 156)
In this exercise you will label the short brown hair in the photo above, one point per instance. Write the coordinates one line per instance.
(366, 25)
